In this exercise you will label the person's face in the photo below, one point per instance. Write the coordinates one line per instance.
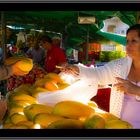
(45, 45)
(133, 44)
(56, 42)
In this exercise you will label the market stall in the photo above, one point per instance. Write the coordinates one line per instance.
(43, 100)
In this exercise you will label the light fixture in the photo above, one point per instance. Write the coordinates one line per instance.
(86, 20)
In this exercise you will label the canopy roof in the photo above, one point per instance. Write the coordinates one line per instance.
(66, 22)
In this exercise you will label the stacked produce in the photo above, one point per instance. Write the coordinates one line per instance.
(24, 112)
(30, 78)
(64, 115)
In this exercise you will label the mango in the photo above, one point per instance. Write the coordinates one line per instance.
(66, 124)
(118, 124)
(108, 116)
(20, 103)
(24, 64)
(45, 119)
(51, 85)
(92, 104)
(6, 119)
(17, 127)
(23, 87)
(7, 125)
(27, 123)
(16, 118)
(15, 110)
(95, 122)
(72, 109)
(23, 97)
(41, 82)
(32, 110)
(55, 77)
(62, 85)
(37, 90)
(13, 104)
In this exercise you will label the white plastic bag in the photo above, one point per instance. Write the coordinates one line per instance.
(81, 91)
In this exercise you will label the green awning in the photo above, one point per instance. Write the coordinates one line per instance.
(114, 37)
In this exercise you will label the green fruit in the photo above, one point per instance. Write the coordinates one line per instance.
(95, 122)
(66, 124)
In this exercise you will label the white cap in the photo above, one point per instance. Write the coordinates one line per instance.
(56, 37)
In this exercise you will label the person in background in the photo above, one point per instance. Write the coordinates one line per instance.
(123, 74)
(37, 53)
(54, 54)
(56, 41)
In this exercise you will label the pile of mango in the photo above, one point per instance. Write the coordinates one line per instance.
(63, 115)
(24, 112)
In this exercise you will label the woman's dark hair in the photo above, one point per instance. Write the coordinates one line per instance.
(45, 38)
(134, 27)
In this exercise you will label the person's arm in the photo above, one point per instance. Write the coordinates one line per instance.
(6, 72)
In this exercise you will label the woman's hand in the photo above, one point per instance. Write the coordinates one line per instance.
(127, 87)
(70, 69)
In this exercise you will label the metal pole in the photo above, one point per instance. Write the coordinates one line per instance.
(3, 30)
(87, 44)
(138, 17)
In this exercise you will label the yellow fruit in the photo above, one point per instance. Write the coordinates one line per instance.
(92, 104)
(20, 103)
(23, 97)
(13, 104)
(73, 109)
(51, 85)
(34, 109)
(15, 110)
(118, 124)
(95, 122)
(22, 88)
(16, 118)
(44, 119)
(55, 77)
(12, 60)
(41, 82)
(7, 125)
(66, 124)
(29, 124)
(24, 64)
(7, 119)
(37, 90)
(62, 85)
(18, 127)
(108, 116)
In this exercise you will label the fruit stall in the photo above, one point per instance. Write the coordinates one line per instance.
(54, 101)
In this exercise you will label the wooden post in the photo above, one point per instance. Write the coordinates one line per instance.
(138, 17)
(3, 29)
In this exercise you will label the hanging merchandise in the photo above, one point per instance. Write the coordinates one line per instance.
(21, 39)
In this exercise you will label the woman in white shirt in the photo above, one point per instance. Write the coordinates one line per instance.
(123, 74)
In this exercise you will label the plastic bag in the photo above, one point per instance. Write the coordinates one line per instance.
(81, 91)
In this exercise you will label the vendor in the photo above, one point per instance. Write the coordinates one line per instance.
(54, 55)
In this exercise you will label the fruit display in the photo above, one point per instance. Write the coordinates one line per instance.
(30, 78)
(25, 112)
(63, 115)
